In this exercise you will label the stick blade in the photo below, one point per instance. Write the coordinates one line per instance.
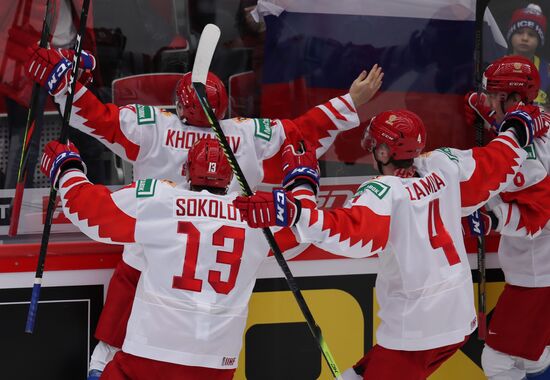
(205, 51)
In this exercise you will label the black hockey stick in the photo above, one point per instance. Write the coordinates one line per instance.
(205, 51)
(481, 5)
(63, 137)
(29, 130)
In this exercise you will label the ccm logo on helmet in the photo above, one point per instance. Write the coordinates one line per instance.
(391, 138)
(518, 84)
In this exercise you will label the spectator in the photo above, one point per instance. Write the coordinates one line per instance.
(526, 34)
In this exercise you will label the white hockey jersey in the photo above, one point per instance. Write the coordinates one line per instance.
(191, 302)
(523, 210)
(157, 142)
(424, 285)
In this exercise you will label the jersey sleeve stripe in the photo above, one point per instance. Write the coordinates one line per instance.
(92, 209)
(346, 103)
(335, 112)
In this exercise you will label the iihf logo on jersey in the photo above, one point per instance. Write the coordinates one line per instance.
(228, 361)
(211, 167)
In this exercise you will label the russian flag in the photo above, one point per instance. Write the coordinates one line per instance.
(314, 49)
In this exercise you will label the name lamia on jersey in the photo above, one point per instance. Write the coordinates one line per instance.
(185, 139)
(196, 207)
(422, 187)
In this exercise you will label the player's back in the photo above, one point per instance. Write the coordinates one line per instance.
(424, 285)
(191, 302)
(166, 142)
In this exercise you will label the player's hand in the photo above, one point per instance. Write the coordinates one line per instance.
(58, 158)
(365, 86)
(475, 106)
(541, 121)
(266, 209)
(479, 223)
(300, 167)
(52, 67)
(521, 120)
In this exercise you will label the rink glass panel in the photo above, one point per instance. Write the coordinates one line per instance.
(296, 60)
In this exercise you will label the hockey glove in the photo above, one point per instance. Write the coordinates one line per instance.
(58, 158)
(541, 125)
(52, 67)
(480, 222)
(474, 106)
(300, 168)
(266, 209)
(521, 122)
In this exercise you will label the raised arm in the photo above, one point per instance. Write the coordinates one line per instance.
(486, 171)
(320, 125)
(359, 231)
(523, 213)
(105, 216)
(118, 128)
(490, 170)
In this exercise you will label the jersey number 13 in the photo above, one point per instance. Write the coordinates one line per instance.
(188, 281)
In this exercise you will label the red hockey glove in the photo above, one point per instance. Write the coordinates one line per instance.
(58, 158)
(266, 209)
(52, 67)
(474, 106)
(522, 121)
(300, 168)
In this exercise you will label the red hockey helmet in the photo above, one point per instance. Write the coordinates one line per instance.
(187, 103)
(401, 131)
(513, 73)
(207, 165)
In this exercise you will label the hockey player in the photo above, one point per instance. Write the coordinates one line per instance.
(518, 339)
(190, 305)
(411, 217)
(157, 142)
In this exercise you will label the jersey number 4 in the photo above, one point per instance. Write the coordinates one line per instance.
(188, 281)
(441, 238)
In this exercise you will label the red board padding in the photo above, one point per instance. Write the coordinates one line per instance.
(93, 255)
(60, 256)
(491, 243)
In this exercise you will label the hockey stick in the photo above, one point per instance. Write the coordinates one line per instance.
(205, 50)
(33, 306)
(481, 5)
(29, 130)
